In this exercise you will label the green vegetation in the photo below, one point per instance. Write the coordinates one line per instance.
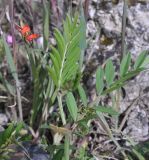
(59, 93)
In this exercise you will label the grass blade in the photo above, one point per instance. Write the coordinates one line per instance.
(10, 61)
(46, 8)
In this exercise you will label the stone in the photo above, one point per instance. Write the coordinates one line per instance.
(33, 152)
(3, 119)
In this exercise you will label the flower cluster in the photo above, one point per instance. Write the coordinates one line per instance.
(26, 33)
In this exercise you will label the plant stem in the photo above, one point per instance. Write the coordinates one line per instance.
(124, 29)
(67, 136)
(15, 60)
(61, 108)
(66, 147)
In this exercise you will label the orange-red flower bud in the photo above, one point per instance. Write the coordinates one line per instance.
(31, 37)
(25, 30)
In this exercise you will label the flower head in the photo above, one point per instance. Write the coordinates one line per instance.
(26, 33)
(31, 37)
(25, 30)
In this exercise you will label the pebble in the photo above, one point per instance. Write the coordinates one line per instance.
(3, 119)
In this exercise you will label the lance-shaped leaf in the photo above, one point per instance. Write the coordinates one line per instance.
(109, 72)
(46, 7)
(124, 66)
(99, 80)
(108, 110)
(82, 95)
(72, 106)
(140, 59)
(10, 61)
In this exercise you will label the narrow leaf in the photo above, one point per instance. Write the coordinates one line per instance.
(140, 60)
(124, 66)
(59, 154)
(99, 80)
(10, 61)
(139, 155)
(108, 110)
(82, 94)
(109, 72)
(46, 7)
(57, 55)
(72, 106)
(60, 42)
(82, 29)
(55, 64)
(53, 76)
(145, 63)
(83, 44)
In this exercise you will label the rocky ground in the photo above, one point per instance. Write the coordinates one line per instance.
(107, 43)
(104, 27)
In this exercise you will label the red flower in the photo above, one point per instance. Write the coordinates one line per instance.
(31, 37)
(26, 33)
(25, 30)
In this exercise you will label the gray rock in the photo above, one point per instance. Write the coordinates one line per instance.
(3, 119)
(137, 125)
(109, 19)
(32, 152)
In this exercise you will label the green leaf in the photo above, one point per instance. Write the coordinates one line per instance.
(82, 29)
(129, 157)
(142, 148)
(53, 75)
(55, 63)
(57, 55)
(19, 127)
(139, 155)
(60, 42)
(71, 105)
(121, 82)
(59, 154)
(82, 94)
(109, 72)
(74, 42)
(124, 66)
(65, 59)
(108, 110)
(7, 85)
(104, 121)
(140, 59)
(8, 132)
(75, 20)
(83, 43)
(46, 7)
(10, 61)
(99, 80)
(145, 63)
(69, 74)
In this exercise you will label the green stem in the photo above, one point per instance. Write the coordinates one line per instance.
(67, 136)
(66, 147)
(19, 101)
(61, 108)
(124, 28)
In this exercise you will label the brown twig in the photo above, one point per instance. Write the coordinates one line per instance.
(86, 6)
